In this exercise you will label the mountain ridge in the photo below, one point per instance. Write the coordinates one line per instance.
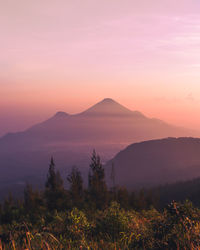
(156, 162)
(107, 106)
(71, 139)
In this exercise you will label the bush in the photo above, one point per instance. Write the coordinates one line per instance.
(179, 227)
(113, 221)
(77, 227)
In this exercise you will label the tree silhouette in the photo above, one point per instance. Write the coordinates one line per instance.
(96, 182)
(76, 187)
(54, 191)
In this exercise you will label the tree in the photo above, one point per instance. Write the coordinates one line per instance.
(133, 200)
(54, 180)
(96, 182)
(113, 190)
(76, 187)
(142, 203)
(11, 210)
(29, 198)
(33, 203)
(123, 197)
(54, 191)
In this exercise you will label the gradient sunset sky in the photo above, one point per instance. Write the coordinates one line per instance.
(67, 55)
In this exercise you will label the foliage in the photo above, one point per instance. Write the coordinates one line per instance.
(54, 189)
(179, 227)
(57, 218)
(76, 187)
(97, 188)
(113, 221)
(77, 227)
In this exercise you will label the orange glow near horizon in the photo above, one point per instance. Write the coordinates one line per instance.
(68, 55)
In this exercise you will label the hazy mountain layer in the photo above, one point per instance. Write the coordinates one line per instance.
(107, 126)
(106, 122)
(157, 162)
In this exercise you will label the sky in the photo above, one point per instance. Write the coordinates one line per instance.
(67, 55)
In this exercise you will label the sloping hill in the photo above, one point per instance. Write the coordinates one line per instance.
(157, 162)
(107, 126)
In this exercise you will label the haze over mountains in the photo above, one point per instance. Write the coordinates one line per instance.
(105, 122)
(157, 162)
(107, 126)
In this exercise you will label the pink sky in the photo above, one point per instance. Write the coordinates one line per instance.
(68, 55)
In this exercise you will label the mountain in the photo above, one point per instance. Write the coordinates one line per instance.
(156, 162)
(109, 107)
(107, 126)
(105, 123)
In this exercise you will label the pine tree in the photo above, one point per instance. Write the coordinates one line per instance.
(29, 203)
(133, 200)
(113, 191)
(54, 191)
(142, 204)
(11, 212)
(96, 182)
(54, 180)
(76, 187)
(33, 203)
(123, 197)
(8, 206)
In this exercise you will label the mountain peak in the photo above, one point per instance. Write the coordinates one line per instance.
(108, 107)
(60, 114)
(108, 100)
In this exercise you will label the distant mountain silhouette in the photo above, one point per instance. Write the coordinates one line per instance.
(107, 126)
(110, 107)
(105, 123)
(156, 162)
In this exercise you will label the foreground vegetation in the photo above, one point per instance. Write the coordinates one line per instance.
(96, 217)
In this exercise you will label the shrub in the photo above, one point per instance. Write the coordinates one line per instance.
(113, 221)
(77, 227)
